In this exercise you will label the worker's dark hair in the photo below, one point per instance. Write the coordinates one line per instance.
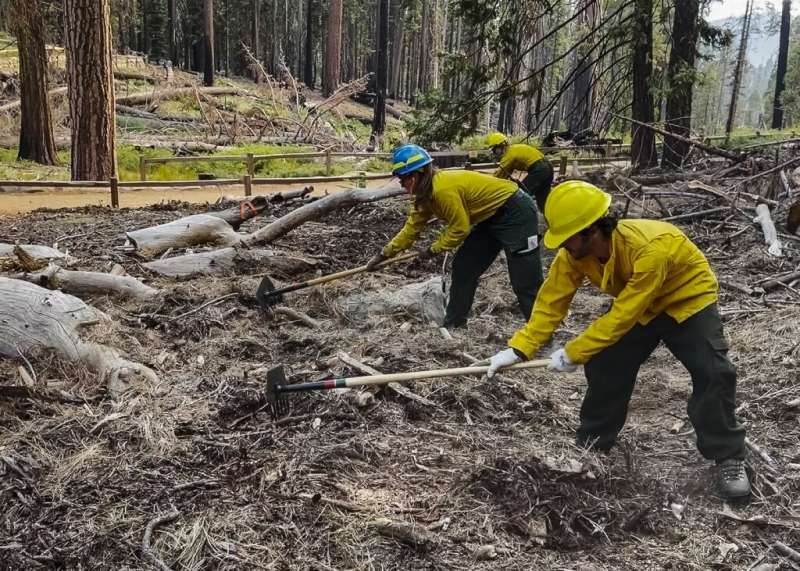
(606, 225)
(423, 193)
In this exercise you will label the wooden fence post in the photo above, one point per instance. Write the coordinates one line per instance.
(142, 168)
(328, 163)
(114, 192)
(248, 185)
(251, 165)
(562, 167)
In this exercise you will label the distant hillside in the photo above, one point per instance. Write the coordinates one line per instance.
(763, 44)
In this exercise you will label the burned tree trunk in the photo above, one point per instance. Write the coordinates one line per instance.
(87, 26)
(783, 56)
(208, 42)
(36, 141)
(643, 142)
(379, 118)
(680, 79)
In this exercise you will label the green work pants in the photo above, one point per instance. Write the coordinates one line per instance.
(513, 228)
(700, 345)
(538, 181)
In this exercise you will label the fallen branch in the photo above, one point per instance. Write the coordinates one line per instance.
(297, 316)
(409, 534)
(738, 157)
(228, 260)
(396, 387)
(763, 217)
(147, 550)
(316, 209)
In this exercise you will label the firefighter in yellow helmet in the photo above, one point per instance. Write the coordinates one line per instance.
(664, 290)
(521, 157)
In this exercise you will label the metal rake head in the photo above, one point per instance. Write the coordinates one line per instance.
(276, 379)
(264, 294)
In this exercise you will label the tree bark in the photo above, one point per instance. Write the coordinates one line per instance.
(398, 34)
(643, 142)
(333, 49)
(780, 74)
(208, 42)
(680, 79)
(36, 141)
(87, 25)
(256, 36)
(583, 86)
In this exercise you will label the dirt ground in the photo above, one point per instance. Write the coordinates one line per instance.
(486, 478)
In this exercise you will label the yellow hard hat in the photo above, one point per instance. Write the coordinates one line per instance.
(572, 206)
(494, 139)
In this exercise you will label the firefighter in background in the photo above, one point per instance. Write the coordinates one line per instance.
(521, 157)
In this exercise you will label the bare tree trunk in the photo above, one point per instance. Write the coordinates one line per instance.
(172, 7)
(737, 72)
(382, 56)
(783, 55)
(333, 49)
(308, 70)
(398, 37)
(208, 42)
(36, 141)
(255, 33)
(643, 142)
(87, 25)
(680, 81)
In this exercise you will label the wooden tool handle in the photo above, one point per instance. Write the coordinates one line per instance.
(359, 269)
(437, 373)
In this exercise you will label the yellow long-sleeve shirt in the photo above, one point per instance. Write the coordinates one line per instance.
(653, 268)
(460, 199)
(517, 157)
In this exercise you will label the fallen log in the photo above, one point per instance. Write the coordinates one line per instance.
(147, 97)
(15, 104)
(316, 209)
(226, 260)
(54, 326)
(763, 217)
(424, 300)
(34, 250)
(90, 283)
(183, 233)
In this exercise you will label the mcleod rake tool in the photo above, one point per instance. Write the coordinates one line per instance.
(267, 295)
(277, 386)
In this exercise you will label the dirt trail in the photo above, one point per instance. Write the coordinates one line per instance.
(27, 201)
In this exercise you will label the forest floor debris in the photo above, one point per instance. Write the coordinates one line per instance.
(193, 473)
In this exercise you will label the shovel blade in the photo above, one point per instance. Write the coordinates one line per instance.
(266, 299)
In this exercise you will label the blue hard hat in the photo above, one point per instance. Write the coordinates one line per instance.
(409, 158)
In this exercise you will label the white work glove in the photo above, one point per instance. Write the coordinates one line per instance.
(560, 362)
(504, 358)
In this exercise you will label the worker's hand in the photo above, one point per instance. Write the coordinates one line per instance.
(426, 254)
(372, 265)
(560, 362)
(504, 358)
